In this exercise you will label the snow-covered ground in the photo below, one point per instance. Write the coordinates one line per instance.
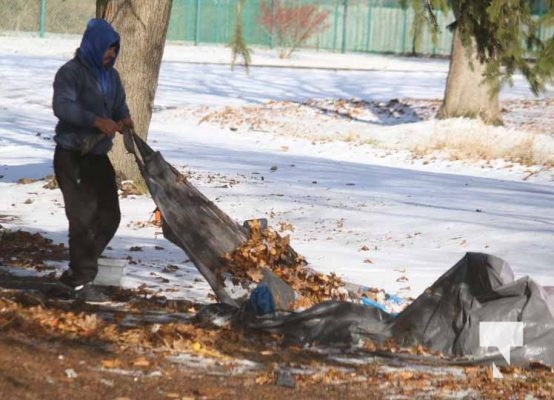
(278, 143)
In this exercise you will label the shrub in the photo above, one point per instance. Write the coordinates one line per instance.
(291, 24)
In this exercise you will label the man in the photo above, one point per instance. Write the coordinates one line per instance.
(89, 101)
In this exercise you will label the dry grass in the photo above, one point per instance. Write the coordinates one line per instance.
(472, 140)
(351, 137)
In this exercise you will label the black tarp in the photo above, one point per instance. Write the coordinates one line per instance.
(480, 287)
(189, 219)
(445, 318)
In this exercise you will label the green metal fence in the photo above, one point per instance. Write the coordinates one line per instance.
(45, 16)
(352, 25)
(379, 26)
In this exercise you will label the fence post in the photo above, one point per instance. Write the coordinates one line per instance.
(335, 25)
(271, 45)
(344, 26)
(405, 30)
(187, 20)
(540, 12)
(246, 15)
(42, 17)
(218, 24)
(197, 24)
(368, 38)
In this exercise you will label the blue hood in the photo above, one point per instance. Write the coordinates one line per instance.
(98, 38)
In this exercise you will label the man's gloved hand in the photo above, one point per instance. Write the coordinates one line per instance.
(106, 126)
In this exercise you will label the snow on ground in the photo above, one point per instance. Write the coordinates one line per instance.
(320, 145)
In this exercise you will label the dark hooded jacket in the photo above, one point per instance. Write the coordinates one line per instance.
(84, 89)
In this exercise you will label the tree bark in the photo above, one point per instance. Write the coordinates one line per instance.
(143, 28)
(466, 93)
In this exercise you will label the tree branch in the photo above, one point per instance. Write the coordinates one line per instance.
(432, 15)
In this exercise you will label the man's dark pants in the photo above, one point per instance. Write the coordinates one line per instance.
(92, 208)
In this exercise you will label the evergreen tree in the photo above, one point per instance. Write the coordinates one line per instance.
(506, 34)
(493, 40)
(238, 43)
(424, 16)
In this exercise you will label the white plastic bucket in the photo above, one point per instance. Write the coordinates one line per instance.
(110, 271)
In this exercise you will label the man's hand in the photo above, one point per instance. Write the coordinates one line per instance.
(107, 126)
(126, 123)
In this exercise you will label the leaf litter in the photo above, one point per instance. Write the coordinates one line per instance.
(146, 331)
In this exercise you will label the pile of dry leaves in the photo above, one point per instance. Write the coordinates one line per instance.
(29, 250)
(122, 326)
(265, 248)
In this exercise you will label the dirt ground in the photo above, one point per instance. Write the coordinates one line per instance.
(39, 368)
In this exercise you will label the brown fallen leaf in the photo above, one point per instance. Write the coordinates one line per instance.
(111, 363)
(26, 181)
(141, 362)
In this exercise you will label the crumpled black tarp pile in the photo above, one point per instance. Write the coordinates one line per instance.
(444, 319)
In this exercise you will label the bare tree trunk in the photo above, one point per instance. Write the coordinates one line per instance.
(143, 28)
(466, 94)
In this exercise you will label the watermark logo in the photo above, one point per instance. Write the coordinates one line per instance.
(502, 335)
